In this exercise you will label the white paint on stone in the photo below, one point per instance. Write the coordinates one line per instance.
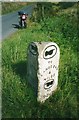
(43, 68)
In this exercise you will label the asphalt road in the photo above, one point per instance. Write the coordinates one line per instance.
(10, 21)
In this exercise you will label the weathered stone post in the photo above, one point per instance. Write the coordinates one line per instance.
(42, 68)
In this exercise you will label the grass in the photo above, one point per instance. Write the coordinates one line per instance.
(18, 99)
(8, 7)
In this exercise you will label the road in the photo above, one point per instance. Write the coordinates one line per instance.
(9, 21)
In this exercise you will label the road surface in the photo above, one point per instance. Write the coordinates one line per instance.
(10, 21)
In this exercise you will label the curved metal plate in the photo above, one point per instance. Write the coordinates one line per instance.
(49, 84)
(50, 52)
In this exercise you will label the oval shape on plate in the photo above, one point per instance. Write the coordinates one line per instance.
(50, 52)
(49, 84)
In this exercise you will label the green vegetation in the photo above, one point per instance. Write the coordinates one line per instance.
(18, 99)
(8, 7)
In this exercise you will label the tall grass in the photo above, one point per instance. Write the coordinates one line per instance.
(18, 99)
(8, 7)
